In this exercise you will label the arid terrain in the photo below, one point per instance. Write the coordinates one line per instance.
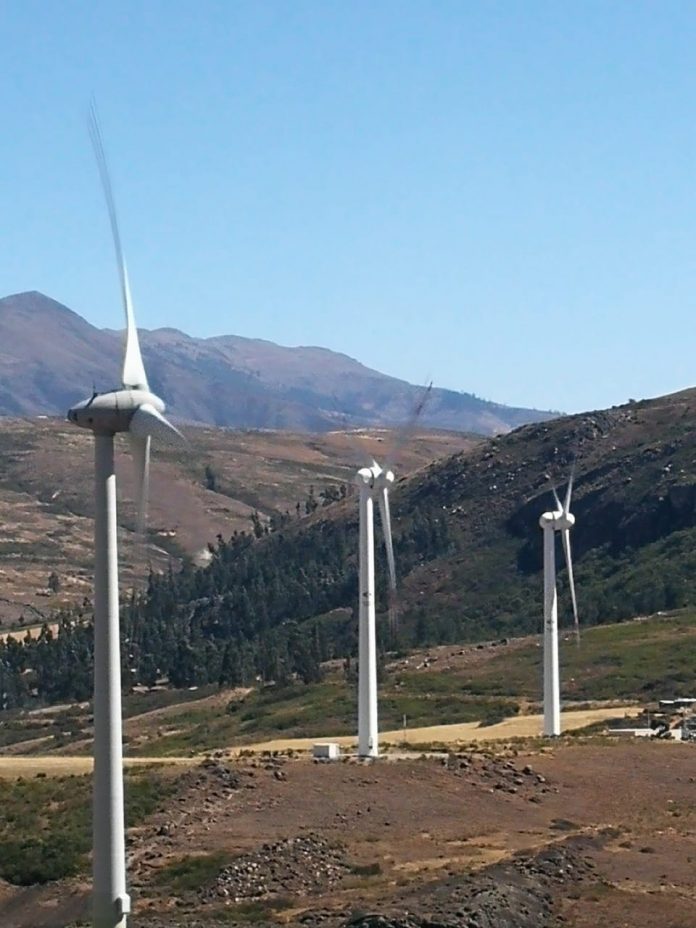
(472, 821)
(582, 833)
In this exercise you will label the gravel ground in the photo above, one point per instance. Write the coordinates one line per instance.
(519, 893)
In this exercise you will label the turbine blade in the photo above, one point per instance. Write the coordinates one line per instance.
(140, 451)
(555, 494)
(565, 536)
(385, 516)
(133, 369)
(569, 491)
(147, 422)
(405, 432)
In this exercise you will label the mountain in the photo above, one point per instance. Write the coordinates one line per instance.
(52, 357)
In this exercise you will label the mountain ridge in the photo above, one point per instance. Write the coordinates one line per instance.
(52, 357)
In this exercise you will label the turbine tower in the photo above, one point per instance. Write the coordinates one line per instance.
(133, 409)
(373, 482)
(559, 520)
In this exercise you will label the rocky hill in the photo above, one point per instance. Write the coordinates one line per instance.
(468, 542)
(52, 357)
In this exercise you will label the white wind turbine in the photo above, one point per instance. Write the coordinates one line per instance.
(133, 409)
(373, 482)
(560, 520)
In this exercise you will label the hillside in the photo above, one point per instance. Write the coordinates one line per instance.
(475, 686)
(467, 536)
(52, 357)
(634, 503)
(468, 542)
(211, 488)
(468, 555)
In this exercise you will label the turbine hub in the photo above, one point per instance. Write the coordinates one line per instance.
(374, 477)
(559, 521)
(365, 477)
(385, 478)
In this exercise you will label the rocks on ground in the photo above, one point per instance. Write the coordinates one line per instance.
(522, 892)
(303, 864)
(499, 775)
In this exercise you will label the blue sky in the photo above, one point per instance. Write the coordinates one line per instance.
(501, 196)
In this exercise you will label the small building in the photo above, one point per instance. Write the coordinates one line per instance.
(634, 732)
(326, 750)
(683, 702)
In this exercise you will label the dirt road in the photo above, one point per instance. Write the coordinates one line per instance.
(518, 726)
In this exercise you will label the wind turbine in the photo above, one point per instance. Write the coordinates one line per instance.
(373, 482)
(559, 520)
(133, 409)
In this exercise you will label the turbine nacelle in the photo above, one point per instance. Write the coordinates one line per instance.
(374, 477)
(113, 411)
(558, 520)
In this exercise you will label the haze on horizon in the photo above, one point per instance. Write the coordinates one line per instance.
(498, 195)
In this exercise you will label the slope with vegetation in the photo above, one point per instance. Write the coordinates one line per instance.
(637, 661)
(223, 482)
(469, 555)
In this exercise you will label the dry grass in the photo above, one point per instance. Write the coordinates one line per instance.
(57, 766)
(524, 726)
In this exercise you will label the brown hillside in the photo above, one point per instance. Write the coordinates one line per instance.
(46, 497)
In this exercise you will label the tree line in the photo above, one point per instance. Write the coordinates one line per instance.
(269, 607)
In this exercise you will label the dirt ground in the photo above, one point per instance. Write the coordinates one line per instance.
(54, 765)
(417, 833)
